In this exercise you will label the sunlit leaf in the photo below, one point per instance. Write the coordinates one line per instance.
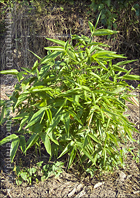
(56, 48)
(8, 139)
(130, 77)
(11, 71)
(57, 41)
(103, 32)
(124, 62)
(117, 68)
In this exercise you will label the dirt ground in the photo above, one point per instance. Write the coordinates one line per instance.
(120, 183)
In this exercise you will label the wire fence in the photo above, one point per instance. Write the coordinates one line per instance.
(29, 31)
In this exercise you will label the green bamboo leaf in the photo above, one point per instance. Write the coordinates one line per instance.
(36, 128)
(23, 122)
(32, 140)
(56, 48)
(66, 150)
(54, 123)
(58, 102)
(36, 117)
(21, 98)
(86, 142)
(35, 54)
(117, 68)
(119, 89)
(98, 44)
(72, 157)
(85, 38)
(102, 114)
(86, 88)
(28, 70)
(36, 64)
(44, 71)
(14, 147)
(8, 139)
(88, 53)
(46, 142)
(52, 56)
(97, 21)
(57, 41)
(129, 132)
(106, 55)
(40, 89)
(37, 74)
(88, 155)
(104, 155)
(66, 45)
(61, 107)
(91, 26)
(102, 64)
(71, 54)
(22, 143)
(93, 48)
(103, 32)
(125, 62)
(66, 120)
(130, 77)
(21, 115)
(2, 102)
(113, 138)
(2, 114)
(94, 138)
(95, 75)
(53, 138)
(73, 114)
(70, 92)
(49, 114)
(109, 112)
(76, 37)
(20, 75)
(11, 71)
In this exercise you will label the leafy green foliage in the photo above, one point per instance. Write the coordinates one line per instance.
(73, 102)
(112, 9)
(40, 171)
